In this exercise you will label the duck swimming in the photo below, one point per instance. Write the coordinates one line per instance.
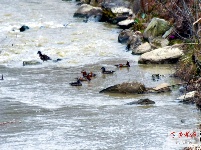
(78, 83)
(84, 73)
(91, 74)
(106, 72)
(123, 65)
(43, 57)
(85, 78)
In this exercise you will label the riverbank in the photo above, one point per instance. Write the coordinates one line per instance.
(152, 38)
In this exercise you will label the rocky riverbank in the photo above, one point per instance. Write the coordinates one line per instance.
(158, 37)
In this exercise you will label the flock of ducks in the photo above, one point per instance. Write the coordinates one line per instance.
(85, 76)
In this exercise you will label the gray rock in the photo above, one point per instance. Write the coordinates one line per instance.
(134, 41)
(126, 24)
(31, 62)
(124, 36)
(145, 101)
(86, 10)
(158, 42)
(168, 54)
(134, 88)
(157, 27)
(114, 14)
(141, 49)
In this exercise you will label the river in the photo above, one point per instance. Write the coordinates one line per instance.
(39, 108)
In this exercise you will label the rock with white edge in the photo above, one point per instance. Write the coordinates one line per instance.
(168, 54)
(188, 95)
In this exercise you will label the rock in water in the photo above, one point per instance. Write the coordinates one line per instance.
(32, 62)
(145, 101)
(23, 28)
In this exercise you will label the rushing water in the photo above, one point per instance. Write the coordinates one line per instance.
(48, 113)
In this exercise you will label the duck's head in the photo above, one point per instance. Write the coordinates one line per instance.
(103, 68)
(39, 52)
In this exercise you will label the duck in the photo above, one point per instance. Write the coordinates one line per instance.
(106, 72)
(43, 57)
(2, 77)
(85, 78)
(77, 83)
(123, 65)
(91, 74)
(84, 73)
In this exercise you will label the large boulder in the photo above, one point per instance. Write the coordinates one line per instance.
(124, 36)
(141, 49)
(86, 10)
(168, 54)
(157, 27)
(133, 88)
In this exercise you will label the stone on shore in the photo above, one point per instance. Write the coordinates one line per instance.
(158, 42)
(134, 41)
(168, 54)
(124, 36)
(126, 24)
(86, 10)
(133, 88)
(188, 97)
(141, 49)
(114, 14)
(157, 27)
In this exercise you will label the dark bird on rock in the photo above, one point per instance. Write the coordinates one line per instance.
(106, 72)
(43, 57)
(123, 65)
(78, 83)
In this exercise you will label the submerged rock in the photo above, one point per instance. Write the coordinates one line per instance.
(31, 62)
(145, 101)
(133, 88)
(24, 28)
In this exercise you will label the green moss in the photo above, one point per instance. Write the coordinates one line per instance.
(108, 13)
(175, 41)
